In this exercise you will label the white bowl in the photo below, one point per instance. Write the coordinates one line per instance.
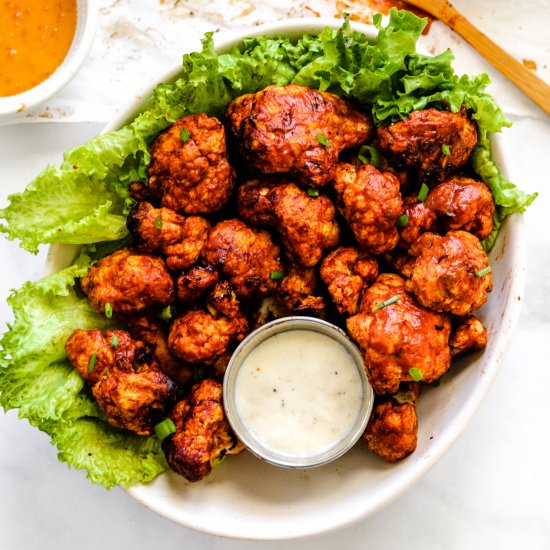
(247, 498)
(86, 23)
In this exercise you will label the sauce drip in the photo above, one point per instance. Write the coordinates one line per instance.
(34, 41)
(299, 393)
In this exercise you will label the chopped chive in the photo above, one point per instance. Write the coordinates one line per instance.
(164, 429)
(416, 374)
(405, 397)
(370, 155)
(446, 150)
(166, 313)
(313, 192)
(185, 135)
(323, 140)
(483, 271)
(423, 193)
(158, 222)
(93, 359)
(114, 341)
(274, 275)
(402, 221)
(387, 302)
(108, 310)
(219, 460)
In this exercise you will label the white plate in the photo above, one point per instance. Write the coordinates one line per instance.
(249, 499)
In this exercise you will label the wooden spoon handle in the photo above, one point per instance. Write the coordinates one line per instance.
(528, 82)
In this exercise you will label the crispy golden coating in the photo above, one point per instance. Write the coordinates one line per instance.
(392, 430)
(299, 292)
(179, 239)
(224, 300)
(467, 336)
(305, 224)
(399, 337)
(200, 337)
(125, 379)
(189, 171)
(152, 331)
(370, 201)
(463, 203)
(434, 142)
(296, 129)
(203, 434)
(444, 274)
(192, 284)
(420, 219)
(128, 282)
(346, 272)
(246, 257)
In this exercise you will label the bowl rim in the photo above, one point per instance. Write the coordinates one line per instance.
(513, 230)
(86, 25)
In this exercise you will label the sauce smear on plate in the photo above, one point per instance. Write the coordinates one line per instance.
(34, 41)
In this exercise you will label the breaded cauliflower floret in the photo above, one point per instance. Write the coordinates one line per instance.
(126, 381)
(433, 142)
(180, 239)
(392, 431)
(151, 330)
(299, 292)
(127, 282)
(200, 337)
(447, 274)
(305, 224)
(396, 335)
(370, 202)
(468, 335)
(463, 203)
(297, 130)
(189, 171)
(346, 272)
(246, 257)
(202, 435)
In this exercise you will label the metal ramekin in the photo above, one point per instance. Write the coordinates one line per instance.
(248, 438)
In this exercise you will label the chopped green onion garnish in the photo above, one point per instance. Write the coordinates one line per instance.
(405, 397)
(93, 359)
(423, 193)
(323, 140)
(108, 310)
(446, 150)
(313, 192)
(185, 135)
(166, 313)
(274, 275)
(158, 222)
(164, 429)
(370, 155)
(483, 271)
(388, 302)
(114, 341)
(402, 221)
(416, 374)
(219, 460)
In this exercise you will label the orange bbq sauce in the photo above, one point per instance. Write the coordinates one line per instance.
(34, 40)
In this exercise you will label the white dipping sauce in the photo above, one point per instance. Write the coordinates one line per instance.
(298, 392)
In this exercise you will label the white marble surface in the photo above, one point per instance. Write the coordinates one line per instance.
(489, 491)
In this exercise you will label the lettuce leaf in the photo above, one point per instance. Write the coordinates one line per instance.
(85, 200)
(37, 379)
